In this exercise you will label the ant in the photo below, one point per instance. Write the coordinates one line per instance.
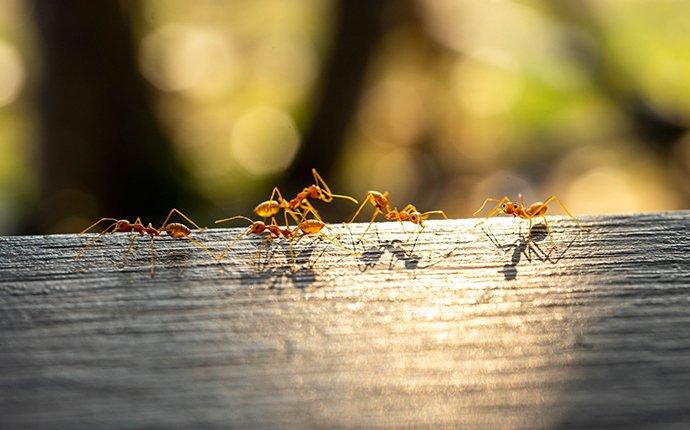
(535, 210)
(382, 206)
(175, 230)
(319, 190)
(305, 227)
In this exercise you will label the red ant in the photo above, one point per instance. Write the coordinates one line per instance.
(173, 229)
(535, 210)
(382, 206)
(319, 190)
(305, 227)
(411, 214)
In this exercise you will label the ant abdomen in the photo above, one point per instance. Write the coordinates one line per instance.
(267, 209)
(177, 230)
(311, 226)
(537, 209)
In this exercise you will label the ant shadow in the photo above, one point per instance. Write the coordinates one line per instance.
(529, 248)
(279, 267)
(370, 256)
(141, 252)
(399, 250)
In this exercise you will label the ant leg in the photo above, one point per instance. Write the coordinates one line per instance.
(426, 214)
(498, 208)
(529, 231)
(125, 257)
(266, 239)
(364, 202)
(310, 208)
(274, 192)
(499, 202)
(328, 194)
(294, 214)
(152, 253)
(560, 203)
(287, 224)
(172, 211)
(292, 251)
(200, 245)
(220, 256)
(548, 231)
(373, 218)
(397, 216)
(318, 180)
(96, 223)
(335, 240)
(219, 221)
(167, 218)
(95, 239)
(414, 245)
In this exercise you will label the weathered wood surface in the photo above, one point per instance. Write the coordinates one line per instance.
(452, 326)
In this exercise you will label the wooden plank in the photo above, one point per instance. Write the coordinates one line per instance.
(462, 324)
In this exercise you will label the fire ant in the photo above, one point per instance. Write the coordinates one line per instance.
(381, 204)
(174, 229)
(305, 227)
(535, 210)
(319, 190)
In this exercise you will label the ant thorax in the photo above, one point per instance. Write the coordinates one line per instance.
(396, 216)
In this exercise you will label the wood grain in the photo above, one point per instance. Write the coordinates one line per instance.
(462, 324)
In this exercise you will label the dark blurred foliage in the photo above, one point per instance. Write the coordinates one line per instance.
(358, 29)
(101, 143)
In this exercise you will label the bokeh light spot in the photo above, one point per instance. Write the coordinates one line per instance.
(177, 57)
(265, 140)
(488, 88)
(284, 68)
(12, 72)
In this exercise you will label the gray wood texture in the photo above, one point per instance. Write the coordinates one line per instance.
(463, 324)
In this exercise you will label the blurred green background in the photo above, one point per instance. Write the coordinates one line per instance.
(127, 109)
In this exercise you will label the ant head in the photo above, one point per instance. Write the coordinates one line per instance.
(123, 225)
(415, 217)
(380, 200)
(509, 207)
(257, 227)
(315, 192)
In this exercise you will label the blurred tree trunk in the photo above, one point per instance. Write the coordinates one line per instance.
(359, 26)
(102, 150)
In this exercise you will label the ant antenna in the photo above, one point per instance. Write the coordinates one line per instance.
(95, 239)
(318, 180)
(220, 221)
(96, 223)
(220, 256)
